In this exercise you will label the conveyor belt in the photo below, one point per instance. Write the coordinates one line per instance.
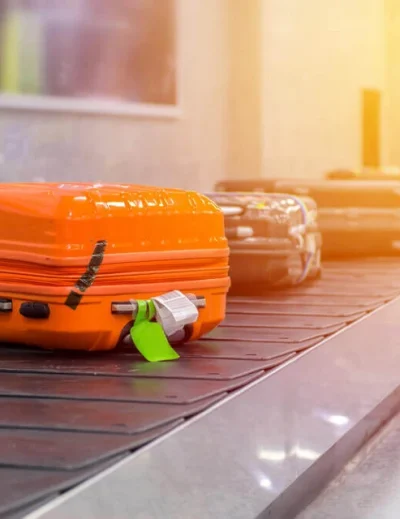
(65, 417)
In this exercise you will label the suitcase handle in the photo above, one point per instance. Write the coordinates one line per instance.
(130, 307)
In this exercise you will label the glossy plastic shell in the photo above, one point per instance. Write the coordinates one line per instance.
(58, 224)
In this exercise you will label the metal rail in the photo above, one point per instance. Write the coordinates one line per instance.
(368, 486)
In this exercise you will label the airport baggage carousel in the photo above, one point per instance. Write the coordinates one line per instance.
(252, 421)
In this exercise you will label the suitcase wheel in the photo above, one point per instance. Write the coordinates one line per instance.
(180, 337)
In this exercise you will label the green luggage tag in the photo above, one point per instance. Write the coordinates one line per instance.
(149, 337)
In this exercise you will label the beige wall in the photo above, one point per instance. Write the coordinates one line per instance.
(190, 152)
(317, 56)
(393, 75)
(245, 116)
(268, 87)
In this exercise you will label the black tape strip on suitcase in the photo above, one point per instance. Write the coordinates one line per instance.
(88, 277)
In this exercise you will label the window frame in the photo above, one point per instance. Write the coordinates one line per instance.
(55, 104)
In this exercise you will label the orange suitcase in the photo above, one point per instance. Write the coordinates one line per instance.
(74, 256)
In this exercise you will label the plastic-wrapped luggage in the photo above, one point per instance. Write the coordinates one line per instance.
(345, 174)
(75, 257)
(342, 174)
(255, 185)
(354, 217)
(273, 239)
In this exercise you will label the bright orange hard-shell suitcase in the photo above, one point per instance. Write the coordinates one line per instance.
(71, 255)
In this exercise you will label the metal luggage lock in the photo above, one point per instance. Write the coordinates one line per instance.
(29, 309)
(35, 310)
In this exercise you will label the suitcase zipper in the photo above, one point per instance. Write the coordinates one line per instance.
(112, 274)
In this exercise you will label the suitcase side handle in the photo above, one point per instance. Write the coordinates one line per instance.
(130, 307)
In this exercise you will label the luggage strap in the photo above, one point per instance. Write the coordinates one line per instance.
(157, 319)
(149, 337)
(305, 239)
